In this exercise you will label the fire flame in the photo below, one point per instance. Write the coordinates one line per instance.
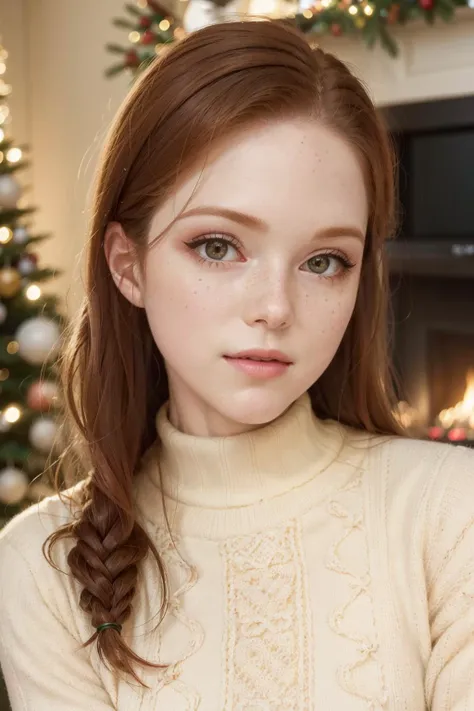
(462, 413)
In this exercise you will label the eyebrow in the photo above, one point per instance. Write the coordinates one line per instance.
(253, 222)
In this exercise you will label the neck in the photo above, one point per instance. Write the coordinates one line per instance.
(243, 469)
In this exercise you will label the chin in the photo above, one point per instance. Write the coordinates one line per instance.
(253, 407)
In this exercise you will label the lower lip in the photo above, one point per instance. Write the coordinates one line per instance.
(259, 368)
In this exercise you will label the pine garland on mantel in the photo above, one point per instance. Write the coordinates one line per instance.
(152, 27)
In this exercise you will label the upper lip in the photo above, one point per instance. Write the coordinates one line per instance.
(262, 353)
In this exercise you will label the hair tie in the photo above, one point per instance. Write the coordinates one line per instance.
(114, 625)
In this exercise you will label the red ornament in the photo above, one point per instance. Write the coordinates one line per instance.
(426, 4)
(145, 22)
(132, 59)
(457, 434)
(436, 433)
(42, 395)
(336, 29)
(148, 37)
(393, 14)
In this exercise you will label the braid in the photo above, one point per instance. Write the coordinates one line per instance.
(110, 546)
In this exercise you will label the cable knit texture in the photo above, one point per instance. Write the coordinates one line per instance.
(311, 566)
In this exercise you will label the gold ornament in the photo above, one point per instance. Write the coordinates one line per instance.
(10, 282)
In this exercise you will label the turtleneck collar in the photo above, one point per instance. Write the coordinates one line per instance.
(245, 469)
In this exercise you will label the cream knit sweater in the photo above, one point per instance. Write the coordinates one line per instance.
(317, 568)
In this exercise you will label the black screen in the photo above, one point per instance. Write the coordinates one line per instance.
(439, 176)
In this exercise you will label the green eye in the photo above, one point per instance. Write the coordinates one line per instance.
(319, 264)
(216, 249)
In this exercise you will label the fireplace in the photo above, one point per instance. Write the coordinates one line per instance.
(432, 269)
(433, 348)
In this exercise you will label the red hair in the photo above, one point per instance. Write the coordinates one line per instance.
(210, 84)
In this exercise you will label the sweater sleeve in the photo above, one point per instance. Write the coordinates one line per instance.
(449, 565)
(43, 665)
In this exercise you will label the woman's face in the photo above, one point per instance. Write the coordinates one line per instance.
(266, 256)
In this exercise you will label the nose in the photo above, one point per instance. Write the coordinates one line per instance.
(269, 301)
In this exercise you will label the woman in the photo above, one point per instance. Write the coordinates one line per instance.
(254, 532)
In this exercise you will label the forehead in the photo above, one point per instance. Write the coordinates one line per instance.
(294, 172)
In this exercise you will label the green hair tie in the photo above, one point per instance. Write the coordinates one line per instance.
(114, 625)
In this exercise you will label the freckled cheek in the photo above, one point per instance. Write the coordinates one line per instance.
(187, 300)
(329, 313)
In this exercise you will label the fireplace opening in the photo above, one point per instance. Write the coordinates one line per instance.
(450, 372)
(434, 356)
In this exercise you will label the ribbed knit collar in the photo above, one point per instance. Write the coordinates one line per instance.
(221, 480)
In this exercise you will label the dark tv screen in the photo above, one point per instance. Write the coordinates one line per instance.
(438, 186)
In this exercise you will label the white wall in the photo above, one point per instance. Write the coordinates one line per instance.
(61, 106)
(434, 62)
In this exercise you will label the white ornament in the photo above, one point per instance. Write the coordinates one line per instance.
(13, 485)
(26, 265)
(38, 339)
(3, 312)
(10, 191)
(43, 434)
(20, 235)
(200, 13)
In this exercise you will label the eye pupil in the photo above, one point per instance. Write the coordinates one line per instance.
(216, 249)
(319, 264)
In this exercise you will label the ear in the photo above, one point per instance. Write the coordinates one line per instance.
(123, 263)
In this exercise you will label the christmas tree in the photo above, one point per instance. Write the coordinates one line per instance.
(30, 328)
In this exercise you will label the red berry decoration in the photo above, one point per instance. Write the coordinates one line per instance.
(426, 4)
(148, 37)
(145, 22)
(393, 14)
(336, 29)
(132, 59)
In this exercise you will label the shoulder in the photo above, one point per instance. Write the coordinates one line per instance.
(430, 465)
(427, 488)
(413, 474)
(27, 533)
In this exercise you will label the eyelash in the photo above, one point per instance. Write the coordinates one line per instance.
(345, 262)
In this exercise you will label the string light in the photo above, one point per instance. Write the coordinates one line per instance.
(13, 347)
(2, 134)
(33, 292)
(134, 37)
(4, 374)
(179, 33)
(4, 114)
(368, 10)
(164, 25)
(14, 155)
(5, 89)
(308, 14)
(353, 10)
(12, 414)
(3, 67)
(5, 235)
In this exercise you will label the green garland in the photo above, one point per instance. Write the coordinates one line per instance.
(151, 27)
